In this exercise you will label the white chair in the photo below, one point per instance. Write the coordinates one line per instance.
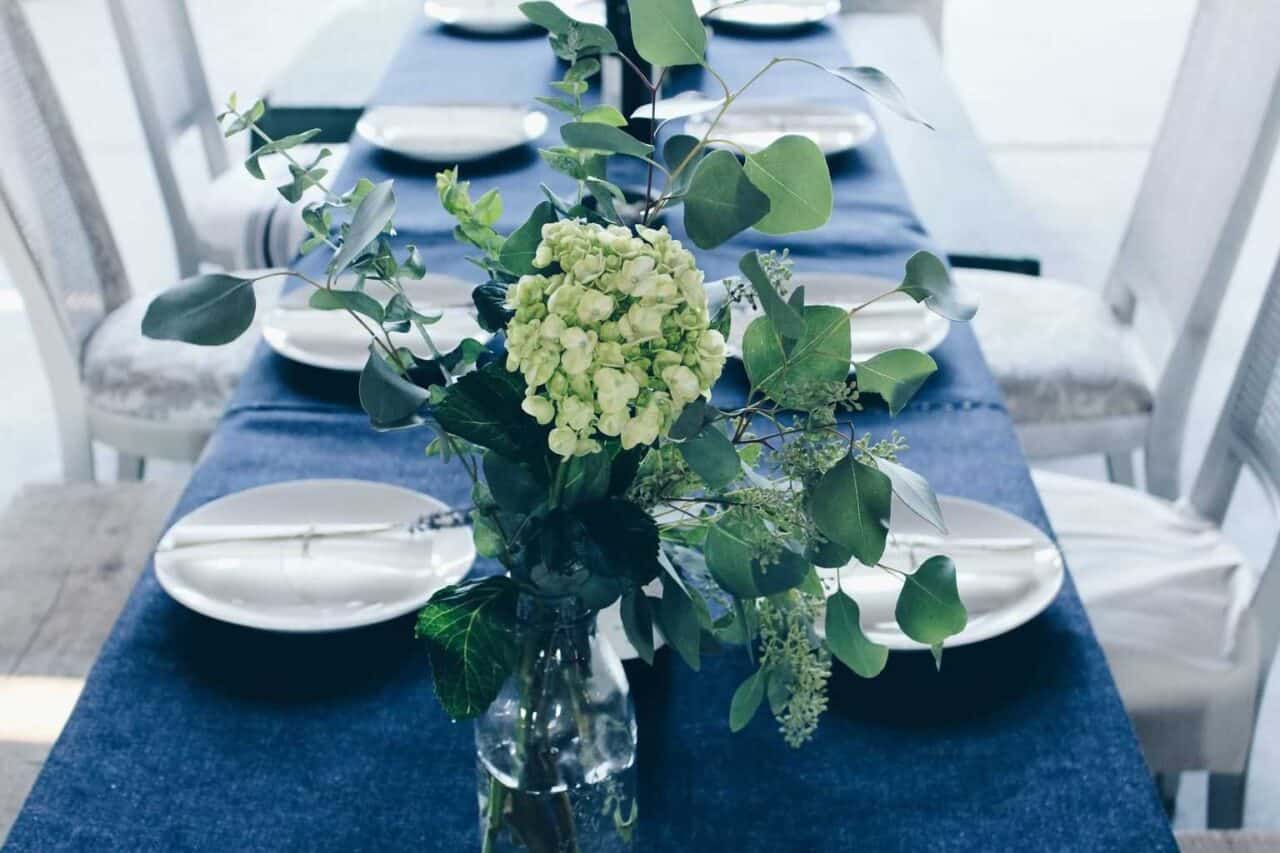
(224, 216)
(1076, 375)
(143, 397)
(1188, 626)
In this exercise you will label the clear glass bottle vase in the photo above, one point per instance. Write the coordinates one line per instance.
(555, 752)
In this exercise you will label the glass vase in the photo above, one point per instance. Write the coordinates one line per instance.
(555, 752)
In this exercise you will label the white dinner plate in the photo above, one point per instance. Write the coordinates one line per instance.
(502, 17)
(1007, 571)
(765, 15)
(756, 126)
(335, 341)
(450, 133)
(328, 584)
(894, 322)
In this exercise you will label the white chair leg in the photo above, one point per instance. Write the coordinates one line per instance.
(1120, 468)
(130, 468)
(77, 449)
(1226, 800)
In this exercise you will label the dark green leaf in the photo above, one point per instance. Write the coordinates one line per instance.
(637, 622)
(517, 253)
(209, 310)
(895, 375)
(851, 505)
(470, 633)
(349, 300)
(491, 306)
(622, 539)
(928, 281)
(668, 32)
(370, 219)
(602, 137)
(786, 319)
(792, 171)
(721, 201)
(690, 421)
(484, 408)
(711, 455)
(847, 641)
(929, 608)
(390, 400)
(586, 478)
(623, 469)
(820, 357)
(674, 153)
(732, 553)
(512, 484)
(413, 264)
(678, 622)
(746, 701)
(914, 491)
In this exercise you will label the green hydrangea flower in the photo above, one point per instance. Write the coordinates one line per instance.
(613, 338)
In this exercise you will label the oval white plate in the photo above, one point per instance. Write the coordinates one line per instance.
(450, 133)
(335, 583)
(894, 322)
(756, 126)
(502, 17)
(1007, 571)
(333, 340)
(770, 14)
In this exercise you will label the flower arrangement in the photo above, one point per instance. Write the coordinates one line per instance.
(599, 463)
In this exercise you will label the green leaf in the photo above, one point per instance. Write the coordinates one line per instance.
(690, 421)
(247, 118)
(786, 319)
(928, 281)
(390, 400)
(846, 640)
(605, 114)
(370, 219)
(877, 84)
(586, 478)
(517, 253)
(491, 306)
(711, 455)
(668, 32)
(621, 540)
(914, 491)
(895, 375)
(209, 310)
(793, 173)
(720, 201)
(746, 701)
(512, 484)
(678, 622)
(850, 506)
(602, 137)
(350, 300)
(637, 622)
(733, 557)
(484, 408)
(547, 15)
(929, 608)
(821, 356)
(275, 146)
(674, 153)
(470, 631)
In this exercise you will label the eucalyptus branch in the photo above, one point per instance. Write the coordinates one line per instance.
(857, 308)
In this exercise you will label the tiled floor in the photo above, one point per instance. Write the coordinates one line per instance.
(1067, 95)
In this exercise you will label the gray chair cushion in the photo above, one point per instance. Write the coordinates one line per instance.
(174, 383)
(1056, 349)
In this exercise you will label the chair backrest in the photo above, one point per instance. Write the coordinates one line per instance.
(56, 239)
(169, 86)
(1248, 435)
(1196, 201)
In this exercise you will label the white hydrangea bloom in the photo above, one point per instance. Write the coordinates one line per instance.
(612, 338)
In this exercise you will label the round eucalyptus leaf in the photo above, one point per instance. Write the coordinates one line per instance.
(821, 355)
(792, 171)
(851, 506)
(668, 32)
(847, 641)
(895, 375)
(209, 310)
(929, 607)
